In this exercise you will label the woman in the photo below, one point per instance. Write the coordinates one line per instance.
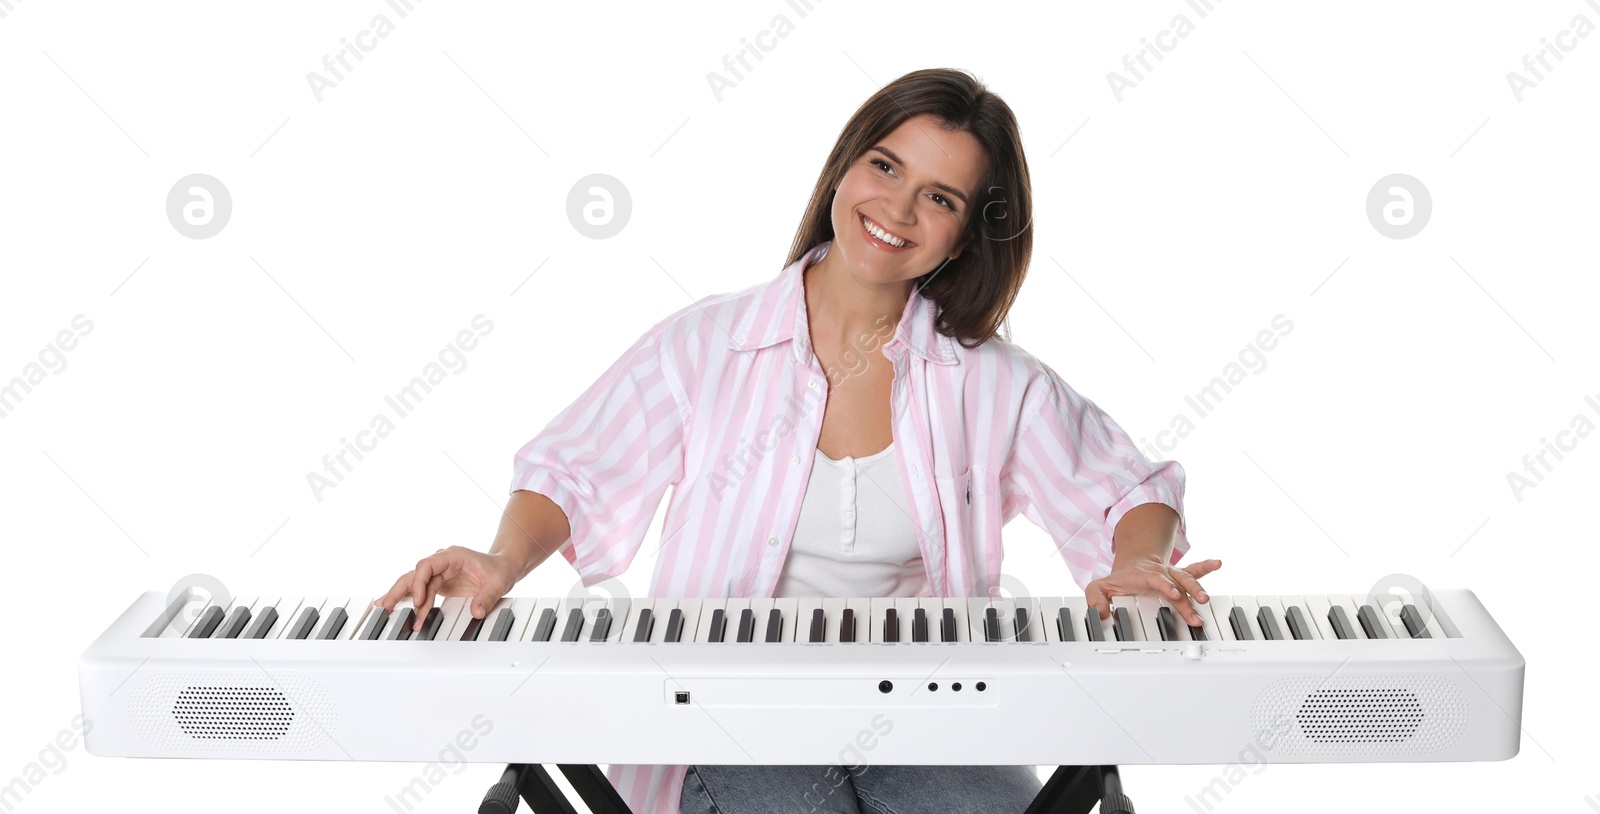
(781, 410)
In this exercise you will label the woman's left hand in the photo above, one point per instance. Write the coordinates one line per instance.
(1151, 576)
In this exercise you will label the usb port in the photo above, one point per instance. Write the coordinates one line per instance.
(680, 697)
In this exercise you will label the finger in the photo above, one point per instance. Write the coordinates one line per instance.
(394, 593)
(427, 567)
(1098, 600)
(427, 601)
(1200, 569)
(483, 600)
(1156, 582)
(1190, 584)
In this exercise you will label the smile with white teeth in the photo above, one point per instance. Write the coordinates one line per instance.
(883, 234)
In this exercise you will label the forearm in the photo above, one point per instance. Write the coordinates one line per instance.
(532, 528)
(1147, 532)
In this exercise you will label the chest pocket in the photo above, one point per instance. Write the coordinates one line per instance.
(970, 504)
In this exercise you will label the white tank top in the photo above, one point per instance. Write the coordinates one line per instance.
(855, 536)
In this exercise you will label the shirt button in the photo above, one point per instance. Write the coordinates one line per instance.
(772, 541)
(793, 359)
(849, 534)
(812, 384)
(849, 515)
(794, 459)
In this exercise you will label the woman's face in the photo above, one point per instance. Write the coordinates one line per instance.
(919, 183)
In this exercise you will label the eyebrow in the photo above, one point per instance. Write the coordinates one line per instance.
(939, 184)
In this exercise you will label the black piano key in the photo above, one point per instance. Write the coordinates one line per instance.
(674, 632)
(301, 627)
(642, 632)
(1093, 626)
(1268, 619)
(574, 625)
(1370, 622)
(1341, 623)
(1167, 623)
(947, 626)
(1299, 625)
(919, 625)
(602, 625)
(502, 625)
(261, 624)
(403, 620)
(430, 625)
(375, 622)
(819, 630)
(474, 628)
(1123, 626)
(1241, 624)
(1064, 625)
(1415, 624)
(774, 625)
(1197, 632)
(847, 625)
(991, 624)
(207, 623)
(233, 625)
(1020, 619)
(718, 622)
(546, 626)
(891, 625)
(747, 626)
(335, 622)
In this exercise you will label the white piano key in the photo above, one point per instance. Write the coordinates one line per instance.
(1390, 611)
(877, 616)
(1318, 606)
(287, 607)
(1208, 619)
(1149, 606)
(175, 623)
(451, 609)
(789, 607)
(522, 615)
(282, 629)
(394, 617)
(833, 608)
(1221, 606)
(661, 613)
(978, 613)
(1049, 608)
(359, 608)
(759, 608)
(958, 608)
(694, 610)
(906, 608)
(1132, 605)
(804, 606)
(619, 607)
(1435, 630)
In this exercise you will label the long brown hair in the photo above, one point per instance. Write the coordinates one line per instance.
(974, 291)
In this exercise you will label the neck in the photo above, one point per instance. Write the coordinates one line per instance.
(844, 307)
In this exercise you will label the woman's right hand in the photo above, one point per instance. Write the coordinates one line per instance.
(453, 571)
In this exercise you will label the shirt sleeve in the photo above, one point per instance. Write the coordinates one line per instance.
(608, 458)
(1079, 473)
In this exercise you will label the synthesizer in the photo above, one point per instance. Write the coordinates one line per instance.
(927, 681)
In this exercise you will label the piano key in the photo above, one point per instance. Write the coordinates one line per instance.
(1209, 631)
(919, 625)
(574, 626)
(334, 623)
(207, 624)
(1273, 605)
(176, 621)
(991, 624)
(674, 631)
(430, 624)
(618, 608)
(642, 628)
(1034, 622)
(1150, 607)
(952, 626)
(1095, 628)
(1047, 610)
(235, 618)
(602, 625)
(1239, 620)
(1221, 608)
(1125, 626)
(502, 625)
(1132, 625)
(1248, 620)
(774, 625)
(452, 608)
(876, 618)
(375, 624)
(359, 608)
(400, 627)
(1342, 628)
(1300, 626)
(1317, 607)
(1416, 627)
(285, 612)
(891, 625)
(472, 630)
(1167, 621)
(819, 627)
(524, 611)
(262, 623)
(747, 626)
(847, 625)
(1267, 619)
(832, 610)
(1371, 623)
(545, 628)
(718, 622)
(1145, 610)
(1351, 612)
(1019, 621)
(303, 624)
(1064, 625)
(949, 628)
(387, 630)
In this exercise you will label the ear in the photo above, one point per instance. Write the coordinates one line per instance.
(960, 246)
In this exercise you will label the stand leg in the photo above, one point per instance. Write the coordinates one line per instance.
(534, 785)
(1076, 790)
(595, 789)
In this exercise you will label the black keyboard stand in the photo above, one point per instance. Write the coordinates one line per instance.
(1076, 789)
(531, 783)
(1070, 790)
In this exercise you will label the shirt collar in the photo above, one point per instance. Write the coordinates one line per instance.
(777, 312)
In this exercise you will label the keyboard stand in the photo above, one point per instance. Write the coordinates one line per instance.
(1070, 790)
(1076, 789)
(534, 785)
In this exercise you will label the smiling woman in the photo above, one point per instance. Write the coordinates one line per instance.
(892, 481)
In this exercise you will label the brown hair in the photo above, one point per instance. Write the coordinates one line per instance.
(974, 291)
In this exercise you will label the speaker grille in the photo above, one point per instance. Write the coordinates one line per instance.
(251, 713)
(1359, 716)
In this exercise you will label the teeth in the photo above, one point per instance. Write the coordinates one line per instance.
(882, 235)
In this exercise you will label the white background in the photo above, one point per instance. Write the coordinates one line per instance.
(430, 185)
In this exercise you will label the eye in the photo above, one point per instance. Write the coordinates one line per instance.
(944, 202)
(876, 161)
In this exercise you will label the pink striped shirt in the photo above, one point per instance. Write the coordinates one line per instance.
(724, 401)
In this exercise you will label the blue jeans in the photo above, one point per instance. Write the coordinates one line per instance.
(858, 789)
